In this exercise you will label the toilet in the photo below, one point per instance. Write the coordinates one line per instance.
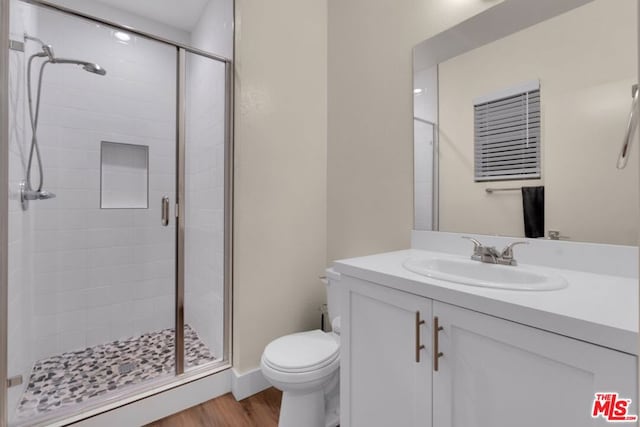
(306, 367)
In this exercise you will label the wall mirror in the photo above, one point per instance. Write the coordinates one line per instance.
(529, 94)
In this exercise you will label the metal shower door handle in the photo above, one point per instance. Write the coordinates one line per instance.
(631, 129)
(165, 211)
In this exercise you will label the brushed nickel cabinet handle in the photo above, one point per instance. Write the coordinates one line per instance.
(419, 347)
(437, 354)
(165, 211)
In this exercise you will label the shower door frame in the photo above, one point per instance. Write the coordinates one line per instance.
(180, 376)
(4, 205)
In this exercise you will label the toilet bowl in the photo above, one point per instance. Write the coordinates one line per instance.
(305, 366)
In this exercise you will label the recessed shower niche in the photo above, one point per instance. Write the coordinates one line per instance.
(124, 176)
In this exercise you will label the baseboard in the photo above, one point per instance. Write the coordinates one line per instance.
(164, 404)
(248, 383)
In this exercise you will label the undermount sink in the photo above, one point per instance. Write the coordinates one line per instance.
(475, 273)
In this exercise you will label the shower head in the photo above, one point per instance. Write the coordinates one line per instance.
(87, 66)
(47, 51)
(94, 68)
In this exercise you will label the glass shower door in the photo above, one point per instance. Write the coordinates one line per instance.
(205, 210)
(92, 267)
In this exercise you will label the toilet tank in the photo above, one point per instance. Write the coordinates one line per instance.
(333, 293)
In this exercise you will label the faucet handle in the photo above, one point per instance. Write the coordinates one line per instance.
(476, 244)
(507, 252)
(477, 248)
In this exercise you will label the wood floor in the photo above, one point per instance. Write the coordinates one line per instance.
(259, 410)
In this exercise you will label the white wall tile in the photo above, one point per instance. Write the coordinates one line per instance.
(97, 336)
(101, 316)
(94, 268)
(45, 347)
(69, 341)
(45, 326)
(100, 297)
(71, 321)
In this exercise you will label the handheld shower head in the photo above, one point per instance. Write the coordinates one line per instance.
(47, 51)
(87, 66)
(94, 68)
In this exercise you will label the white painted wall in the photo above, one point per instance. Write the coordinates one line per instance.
(280, 172)
(305, 195)
(370, 107)
(586, 68)
(102, 274)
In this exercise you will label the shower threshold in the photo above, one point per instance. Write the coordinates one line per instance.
(72, 378)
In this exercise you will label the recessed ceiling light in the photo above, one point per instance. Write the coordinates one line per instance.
(417, 91)
(122, 36)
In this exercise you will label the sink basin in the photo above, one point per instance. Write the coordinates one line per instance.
(475, 273)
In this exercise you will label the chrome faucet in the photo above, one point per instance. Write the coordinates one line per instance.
(506, 257)
(490, 254)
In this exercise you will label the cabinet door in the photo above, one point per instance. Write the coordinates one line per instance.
(497, 373)
(382, 383)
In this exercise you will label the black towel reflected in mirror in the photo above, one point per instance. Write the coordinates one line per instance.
(533, 209)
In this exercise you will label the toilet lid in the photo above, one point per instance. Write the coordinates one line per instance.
(305, 351)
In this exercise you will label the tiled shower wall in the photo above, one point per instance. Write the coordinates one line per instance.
(21, 358)
(102, 274)
(204, 234)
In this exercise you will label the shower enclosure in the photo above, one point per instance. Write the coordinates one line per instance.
(117, 212)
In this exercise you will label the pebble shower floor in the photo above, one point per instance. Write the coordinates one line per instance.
(72, 378)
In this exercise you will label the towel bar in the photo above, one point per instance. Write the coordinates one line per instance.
(492, 190)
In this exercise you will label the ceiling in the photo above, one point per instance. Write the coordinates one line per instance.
(183, 14)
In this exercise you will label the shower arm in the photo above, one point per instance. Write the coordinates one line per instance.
(70, 61)
(35, 39)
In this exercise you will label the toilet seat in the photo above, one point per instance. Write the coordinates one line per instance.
(302, 352)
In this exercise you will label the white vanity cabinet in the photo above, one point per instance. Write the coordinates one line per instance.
(492, 372)
(382, 381)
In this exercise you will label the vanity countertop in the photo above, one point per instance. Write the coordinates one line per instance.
(597, 308)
